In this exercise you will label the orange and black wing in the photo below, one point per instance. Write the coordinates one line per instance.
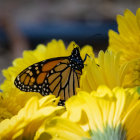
(50, 76)
(64, 81)
(34, 78)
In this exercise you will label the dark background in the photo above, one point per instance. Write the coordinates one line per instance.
(26, 23)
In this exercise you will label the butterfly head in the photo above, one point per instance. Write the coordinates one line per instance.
(76, 61)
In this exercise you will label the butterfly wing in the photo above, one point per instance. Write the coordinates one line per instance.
(34, 77)
(65, 82)
(50, 76)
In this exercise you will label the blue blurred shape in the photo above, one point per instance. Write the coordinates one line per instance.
(65, 30)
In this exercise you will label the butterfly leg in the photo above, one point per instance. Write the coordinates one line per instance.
(61, 103)
(86, 57)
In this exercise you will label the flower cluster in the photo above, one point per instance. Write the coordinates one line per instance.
(106, 107)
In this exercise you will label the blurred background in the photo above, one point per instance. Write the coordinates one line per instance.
(26, 23)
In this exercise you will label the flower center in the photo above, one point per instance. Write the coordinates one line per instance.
(109, 133)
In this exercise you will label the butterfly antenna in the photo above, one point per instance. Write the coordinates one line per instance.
(76, 46)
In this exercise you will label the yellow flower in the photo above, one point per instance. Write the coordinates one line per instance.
(16, 106)
(127, 41)
(42, 52)
(10, 105)
(60, 129)
(102, 114)
(106, 71)
(25, 124)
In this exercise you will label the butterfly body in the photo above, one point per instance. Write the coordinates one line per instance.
(59, 76)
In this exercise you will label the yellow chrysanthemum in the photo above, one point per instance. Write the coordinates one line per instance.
(106, 71)
(25, 124)
(10, 105)
(60, 129)
(127, 41)
(40, 53)
(101, 115)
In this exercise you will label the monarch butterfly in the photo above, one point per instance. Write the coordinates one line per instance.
(59, 76)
